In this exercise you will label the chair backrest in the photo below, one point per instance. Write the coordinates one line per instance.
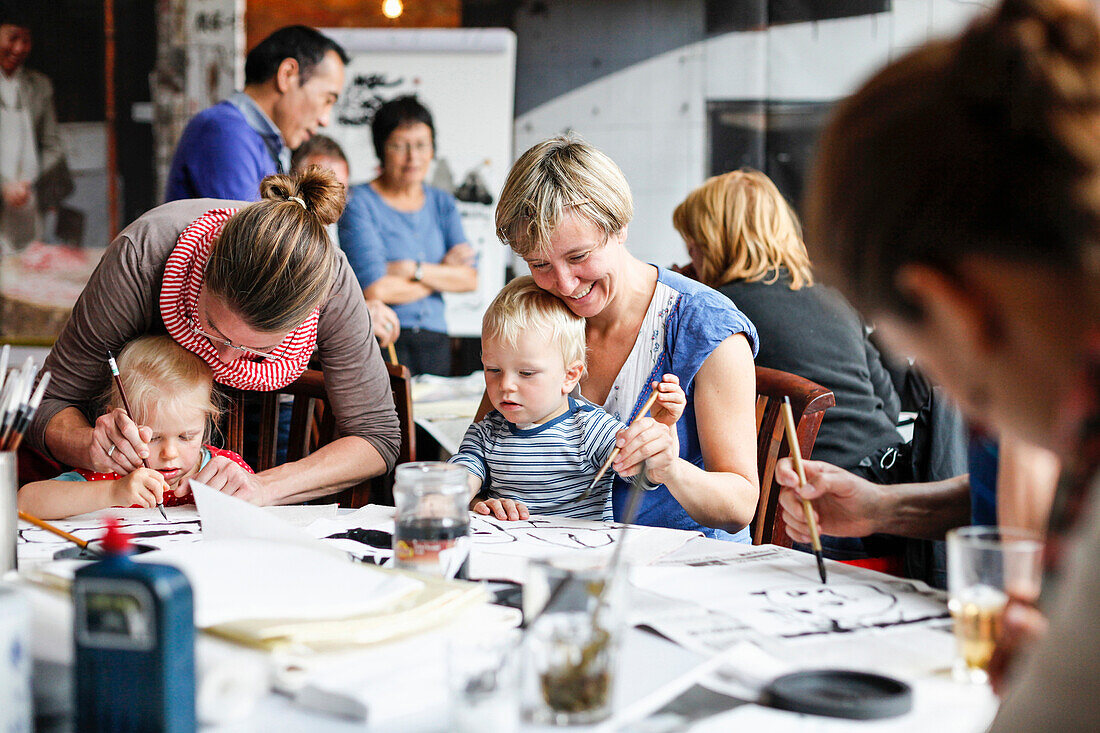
(809, 401)
(312, 425)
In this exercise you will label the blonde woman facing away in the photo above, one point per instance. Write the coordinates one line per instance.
(745, 241)
(564, 209)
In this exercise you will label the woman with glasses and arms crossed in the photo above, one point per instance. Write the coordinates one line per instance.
(404, 239)
(253, 290)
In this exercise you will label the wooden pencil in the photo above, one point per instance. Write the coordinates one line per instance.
(82, 544)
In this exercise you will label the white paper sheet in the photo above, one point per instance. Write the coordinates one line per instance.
(146, 526)
(226, 517)
(542, 537)
(244, 579)
(778, 593)
(366, 533)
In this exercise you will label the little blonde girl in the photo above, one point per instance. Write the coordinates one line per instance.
(171, 393)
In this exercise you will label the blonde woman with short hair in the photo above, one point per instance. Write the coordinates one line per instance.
(254, 290)
(564, 209)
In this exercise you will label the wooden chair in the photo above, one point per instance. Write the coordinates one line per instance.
(312, 425)
(808, 403)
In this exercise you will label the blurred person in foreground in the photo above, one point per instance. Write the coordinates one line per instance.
(956, 198)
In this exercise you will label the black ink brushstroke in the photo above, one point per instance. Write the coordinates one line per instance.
(375, 538)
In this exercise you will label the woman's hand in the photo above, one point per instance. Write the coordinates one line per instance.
(224, 475)
(118, 444)
(671, 400)
(650, 441)
(144, 487)
(502, 509)
(460, 255)
(386, 324)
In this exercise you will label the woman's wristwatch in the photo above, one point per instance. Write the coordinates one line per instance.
(418, 273)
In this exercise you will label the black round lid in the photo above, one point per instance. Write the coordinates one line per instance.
(839, 693)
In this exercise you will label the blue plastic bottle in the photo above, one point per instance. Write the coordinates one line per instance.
(134, 632)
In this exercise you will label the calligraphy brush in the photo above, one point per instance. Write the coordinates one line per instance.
(633, 499)
(9, 409)
(19, 427)
(130, 413)
(807, 508)
(82, 544)
(615, 452)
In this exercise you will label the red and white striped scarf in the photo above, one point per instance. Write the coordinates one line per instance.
(179, 294)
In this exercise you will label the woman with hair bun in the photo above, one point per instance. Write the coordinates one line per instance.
(956, 198)
(253, 290)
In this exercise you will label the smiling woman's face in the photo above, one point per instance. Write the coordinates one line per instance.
(580, 266)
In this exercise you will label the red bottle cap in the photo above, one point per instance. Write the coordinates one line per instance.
(115, 541)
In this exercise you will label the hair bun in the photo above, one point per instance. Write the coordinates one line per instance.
(323, 195)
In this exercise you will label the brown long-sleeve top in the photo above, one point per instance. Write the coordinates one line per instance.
(121, 303)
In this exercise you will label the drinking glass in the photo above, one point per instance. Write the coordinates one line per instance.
(986, 566)
(432, 519)
(573, 644)
(9, 515)
(483, 674)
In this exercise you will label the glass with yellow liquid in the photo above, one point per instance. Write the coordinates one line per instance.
(985, 567)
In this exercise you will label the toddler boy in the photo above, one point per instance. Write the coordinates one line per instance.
(542, 444)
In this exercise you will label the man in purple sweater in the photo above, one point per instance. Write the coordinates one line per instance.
(292, 79)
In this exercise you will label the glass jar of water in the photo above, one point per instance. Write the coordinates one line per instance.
(432, 524)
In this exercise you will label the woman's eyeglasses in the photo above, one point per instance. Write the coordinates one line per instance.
(406, 148)
(255, 354)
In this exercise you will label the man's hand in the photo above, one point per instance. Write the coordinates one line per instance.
(118, 444)
(386, 324)
(502, 509)
(224, 475)
(144, 487)
(846, 505)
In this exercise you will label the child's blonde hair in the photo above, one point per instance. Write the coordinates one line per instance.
(522, 306)
(159, 374)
